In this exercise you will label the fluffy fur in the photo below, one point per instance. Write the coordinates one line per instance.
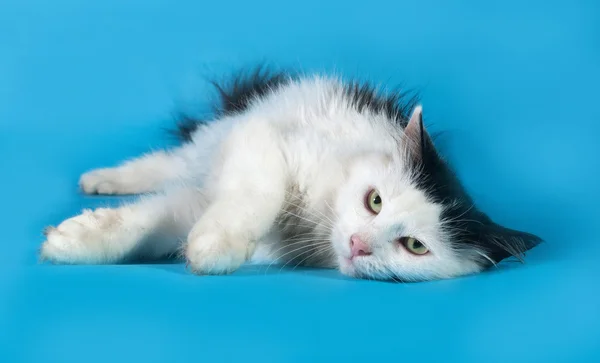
(281, 175)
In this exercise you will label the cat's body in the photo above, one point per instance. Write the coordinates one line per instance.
(302, 171)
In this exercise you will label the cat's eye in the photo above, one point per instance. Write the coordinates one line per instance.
(414, 246)
(373, 201)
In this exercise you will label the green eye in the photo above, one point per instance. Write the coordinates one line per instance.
(373, 202)
(414, 246)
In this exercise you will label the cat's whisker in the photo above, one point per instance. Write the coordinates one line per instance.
(309, 256)
(462, 221)
(300, 254)
(285, 243)
(308, 245)
(323, 215)
(333, 212)
(486, 257)
(289, 260)
(310, 233)
(298, 241)
(315, 223)
(466, 211)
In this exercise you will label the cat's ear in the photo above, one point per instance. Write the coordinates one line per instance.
(416, 140)
(501, 242)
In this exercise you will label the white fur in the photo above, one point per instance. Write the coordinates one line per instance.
(284, 181)
(148, 173)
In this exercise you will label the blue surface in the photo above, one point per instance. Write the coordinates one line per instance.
(85, 84)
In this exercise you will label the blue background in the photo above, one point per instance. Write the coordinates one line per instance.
(85, 84)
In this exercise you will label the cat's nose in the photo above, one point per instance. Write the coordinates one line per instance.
(359, 247)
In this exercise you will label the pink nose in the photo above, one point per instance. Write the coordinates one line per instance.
(358, 247)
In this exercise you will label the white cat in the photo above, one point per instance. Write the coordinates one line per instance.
(299, 170)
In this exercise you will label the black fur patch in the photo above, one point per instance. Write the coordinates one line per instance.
(470, 228)
(235, 96)
(185, 127)
(396, 106)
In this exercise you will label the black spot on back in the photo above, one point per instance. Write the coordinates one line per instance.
(396, 106)
(235, 96)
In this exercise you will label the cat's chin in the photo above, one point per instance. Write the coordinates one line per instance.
(346, 266)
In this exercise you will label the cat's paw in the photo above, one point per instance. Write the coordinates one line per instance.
(104, 181)
(80, 240)
(216, 253)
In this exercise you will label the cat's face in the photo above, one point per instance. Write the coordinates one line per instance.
(406, 217)
(402, 231)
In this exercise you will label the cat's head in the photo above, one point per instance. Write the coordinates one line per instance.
(407, 217)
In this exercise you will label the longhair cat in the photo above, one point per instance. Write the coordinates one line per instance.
(298, 170)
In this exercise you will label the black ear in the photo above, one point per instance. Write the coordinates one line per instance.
(502, 242)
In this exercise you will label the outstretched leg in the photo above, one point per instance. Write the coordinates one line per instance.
(247, 193)
(148, 173)
(149, 229)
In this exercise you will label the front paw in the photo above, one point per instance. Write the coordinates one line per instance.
(81, 239)
(216, 253)
(107, 181)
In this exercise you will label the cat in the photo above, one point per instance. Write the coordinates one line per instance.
(294, 169)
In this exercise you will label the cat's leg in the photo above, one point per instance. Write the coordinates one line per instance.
(247, 193)
(148, 173)
(151, 228)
